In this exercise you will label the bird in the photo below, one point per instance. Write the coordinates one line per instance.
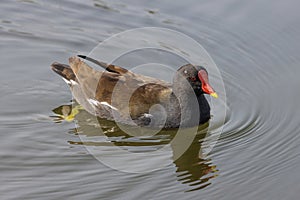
(134, 99)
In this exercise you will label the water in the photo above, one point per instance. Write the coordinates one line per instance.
(255, 44)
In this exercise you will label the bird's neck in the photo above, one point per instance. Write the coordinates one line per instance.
(189, 109)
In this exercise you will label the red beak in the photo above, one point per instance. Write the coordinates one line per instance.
(203, 76)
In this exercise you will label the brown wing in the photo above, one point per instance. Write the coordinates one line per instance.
(144, 97)
(108, 67)
(131, 94)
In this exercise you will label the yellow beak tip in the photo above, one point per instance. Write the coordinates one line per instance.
(215, 95)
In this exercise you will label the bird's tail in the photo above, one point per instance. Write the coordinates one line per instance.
(63, 70)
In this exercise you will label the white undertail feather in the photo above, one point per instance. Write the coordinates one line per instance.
(73, 82)
(70, 82)
(67, 81)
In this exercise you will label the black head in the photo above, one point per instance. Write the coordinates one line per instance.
(197, 77)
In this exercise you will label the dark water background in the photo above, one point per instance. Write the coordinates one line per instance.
(256, 46)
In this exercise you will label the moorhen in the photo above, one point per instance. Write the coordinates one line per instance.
(121, 95)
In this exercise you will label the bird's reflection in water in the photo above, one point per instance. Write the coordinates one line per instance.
(191, 168)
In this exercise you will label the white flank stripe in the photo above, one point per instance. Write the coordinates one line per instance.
(148, 115)
(106, 104)
(93, 102)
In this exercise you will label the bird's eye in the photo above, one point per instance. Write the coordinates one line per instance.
(193, 78)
